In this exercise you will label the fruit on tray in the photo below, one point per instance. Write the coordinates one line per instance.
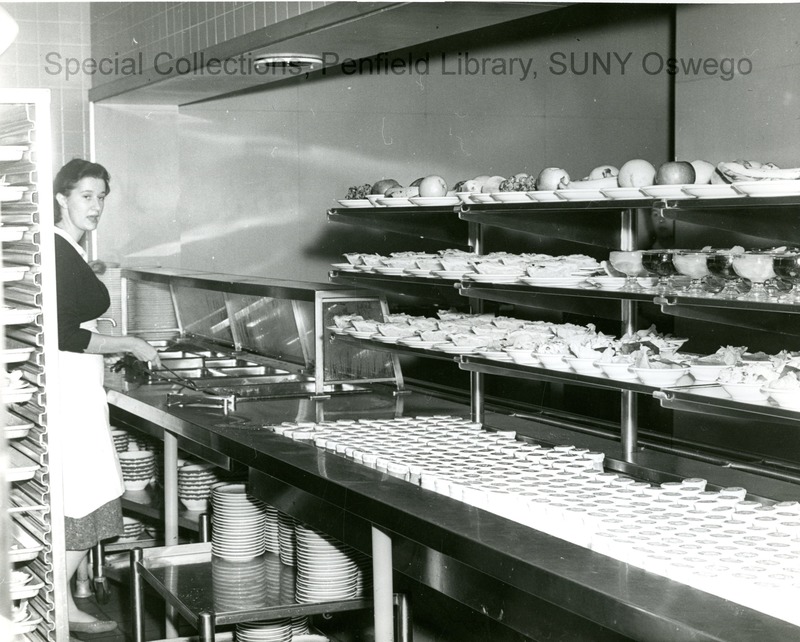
(703, 171)
(519, 183)
(383, 185)
(551, 178)
(603, 171)
(675, 173)
(432, 186)
(636, 173)
(756, 171)
(358, 192)
(592, 183)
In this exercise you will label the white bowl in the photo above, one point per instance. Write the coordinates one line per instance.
(659, 376)
(137, 484)
(583, 365)
(135, 455)
(706, 371)
(196, 505)
(746, 391)
(617, 370)
(553, 361)
(785, 398)
(522, 357)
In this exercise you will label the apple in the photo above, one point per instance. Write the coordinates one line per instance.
(551, 178)
(382, 186)
(636, 173)
(480, 180)
(603, 171)
(675, 173)
(416, 182)
(703, 170)
(432, 185)
(492, 184)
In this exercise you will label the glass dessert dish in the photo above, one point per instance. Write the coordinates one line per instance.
(720, 264)
(693, 264)
(630, 264)
(787, 268)
(756, 267)
(659, 263)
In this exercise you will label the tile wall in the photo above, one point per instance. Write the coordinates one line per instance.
(50, 32)
(121, 29)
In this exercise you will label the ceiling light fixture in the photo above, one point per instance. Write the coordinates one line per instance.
(304, 61)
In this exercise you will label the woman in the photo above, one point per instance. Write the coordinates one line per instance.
(91, 475)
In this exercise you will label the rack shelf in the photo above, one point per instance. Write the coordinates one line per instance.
(176, 572)
(435, 223)
(440, 289)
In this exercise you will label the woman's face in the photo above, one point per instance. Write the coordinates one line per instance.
(82, 207)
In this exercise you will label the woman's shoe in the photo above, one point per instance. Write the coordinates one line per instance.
(95, 626)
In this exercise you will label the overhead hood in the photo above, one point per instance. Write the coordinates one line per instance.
(342, 30)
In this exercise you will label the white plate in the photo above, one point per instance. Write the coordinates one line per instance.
(15, 352)
(666, 191)
(346, 267)
(357, 202)
(492, 278)
(384, 339)
(581, 194)
(622, 193)
(451, 348)
(411, 343)
(390, 271)
(11, 233)
(13, 272)
(21, 394)
(608, 282)
(482, 198)
(336, 329)
(497, 355)
(11, 193)
(435, 201)
(359, 335)
(449, 274)
(721, 190)
(510, 197)
(11, 152)
(395, 202)
(767, 188)
(554, 281)
(418, 272)
(18, 316)
(544, 196)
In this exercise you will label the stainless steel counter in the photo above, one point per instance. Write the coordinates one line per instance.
(533, 583)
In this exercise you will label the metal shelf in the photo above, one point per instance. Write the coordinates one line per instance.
(423, 288)
(435, 223)
(176, 572)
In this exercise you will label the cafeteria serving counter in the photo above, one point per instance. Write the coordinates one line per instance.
(536, 585)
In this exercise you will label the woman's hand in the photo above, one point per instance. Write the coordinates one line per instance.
(144, 351)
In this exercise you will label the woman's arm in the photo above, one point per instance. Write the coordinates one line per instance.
(107, 344)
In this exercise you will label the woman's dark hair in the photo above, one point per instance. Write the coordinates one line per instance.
(71, 174)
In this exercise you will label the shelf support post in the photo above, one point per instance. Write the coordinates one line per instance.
(628, 401)
(383, 592)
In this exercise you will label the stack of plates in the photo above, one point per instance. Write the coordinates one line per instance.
(121, 439)
(271, 539)
(286, 538)
(239, 585)
(132, 528)
(194, 485)
(300, 625)
(269, 631)
(325, 568)
(238, 523)
(138, 468)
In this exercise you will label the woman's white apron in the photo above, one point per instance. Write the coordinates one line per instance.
(91, 472)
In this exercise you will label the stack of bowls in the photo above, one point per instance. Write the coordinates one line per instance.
(237, 523)
(269, 631)
(121, 439)
(287, 538)
(194, 485)
(132, 528)
(138, 468)
(325, 568)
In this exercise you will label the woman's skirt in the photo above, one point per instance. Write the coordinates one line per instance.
(83, 533)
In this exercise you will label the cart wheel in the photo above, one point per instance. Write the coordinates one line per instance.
(101, 592)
